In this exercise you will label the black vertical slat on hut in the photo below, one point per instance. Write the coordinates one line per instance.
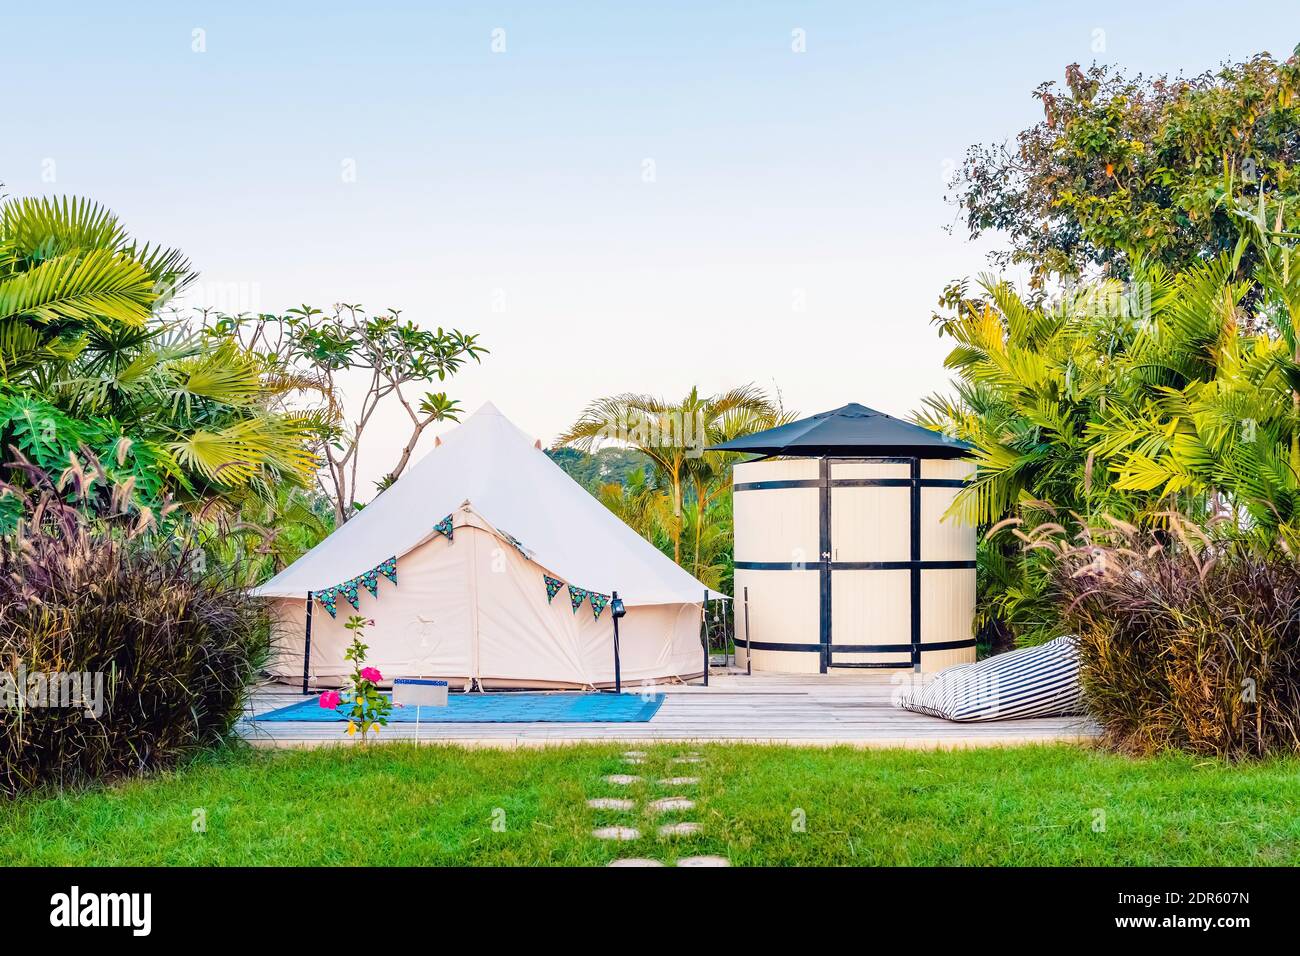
(824, 558)
(306, 653)
(916, 563)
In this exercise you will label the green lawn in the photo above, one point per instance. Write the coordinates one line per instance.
(396, 804)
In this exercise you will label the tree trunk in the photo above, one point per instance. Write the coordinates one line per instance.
(677, 517)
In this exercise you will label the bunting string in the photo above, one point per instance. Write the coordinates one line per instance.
(577, 596)
(350, 590)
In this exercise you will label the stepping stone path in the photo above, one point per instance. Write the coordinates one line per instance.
(611, 803)
(617, 833)
(661, 805)
(679, 829)
(666, 804)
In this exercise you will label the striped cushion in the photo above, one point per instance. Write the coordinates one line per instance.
(1032, 682)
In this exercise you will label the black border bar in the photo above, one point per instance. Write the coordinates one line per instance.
(865, 648)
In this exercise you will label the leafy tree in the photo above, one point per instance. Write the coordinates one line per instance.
(1122, 168)
(606, 465)
(268, 532)
(394, 357)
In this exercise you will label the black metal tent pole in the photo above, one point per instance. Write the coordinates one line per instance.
(306, 653)
(618, 677)
(704, 634)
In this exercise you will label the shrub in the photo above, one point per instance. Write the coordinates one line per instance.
(1184, 642)
(366, 708)
(107, 596)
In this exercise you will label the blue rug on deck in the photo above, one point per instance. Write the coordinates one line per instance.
(499, 708)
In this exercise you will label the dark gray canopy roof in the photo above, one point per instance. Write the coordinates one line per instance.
(853, 431)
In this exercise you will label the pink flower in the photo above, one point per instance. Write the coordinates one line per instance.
(330, 699)
(371, 674)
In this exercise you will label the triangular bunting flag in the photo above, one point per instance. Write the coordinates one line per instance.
(349, 590)
(553, 586)
(576, 597)
(371, 582)
(598, 603)
(328, 599)
(389, 569)
(445, 526)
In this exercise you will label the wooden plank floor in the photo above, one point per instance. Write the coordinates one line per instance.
(854, 708)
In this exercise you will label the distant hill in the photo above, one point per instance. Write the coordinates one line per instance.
(601, 468)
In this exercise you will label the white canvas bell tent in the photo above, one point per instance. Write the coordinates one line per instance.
(470, 599)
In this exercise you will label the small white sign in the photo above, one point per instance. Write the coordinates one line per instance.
(417, 692)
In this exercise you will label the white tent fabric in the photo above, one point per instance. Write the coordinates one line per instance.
(475, 606)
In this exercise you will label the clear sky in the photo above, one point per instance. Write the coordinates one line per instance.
(628, 196)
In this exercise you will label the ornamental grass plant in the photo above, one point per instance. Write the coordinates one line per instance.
(119, 655)
(1185, 642)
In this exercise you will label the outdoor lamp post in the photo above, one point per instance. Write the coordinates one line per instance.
(617, 609)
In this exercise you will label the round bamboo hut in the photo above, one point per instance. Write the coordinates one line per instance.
(844, 558)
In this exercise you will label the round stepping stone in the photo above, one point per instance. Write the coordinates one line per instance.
(702, 861)
(679, 781)
(622, 779)
(679, 829)
(634, 861)
(616, 833)
(687, 760)
(666, 804)
(634, 753)
(634, 759)
(611, 803)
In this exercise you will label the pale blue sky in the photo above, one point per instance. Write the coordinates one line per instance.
(505, 192)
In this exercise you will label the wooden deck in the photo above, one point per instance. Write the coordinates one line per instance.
(853, 708)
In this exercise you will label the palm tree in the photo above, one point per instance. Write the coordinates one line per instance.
(87, 359)
(1177, 398)
(67, 266)
(673, 435)
(268, 531)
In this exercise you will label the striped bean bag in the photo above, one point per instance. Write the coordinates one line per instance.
(1032, 682)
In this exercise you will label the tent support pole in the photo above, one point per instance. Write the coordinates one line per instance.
(704, 634)
(306, 653)
(749, 649)
(618, 678)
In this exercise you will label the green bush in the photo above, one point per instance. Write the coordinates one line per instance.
(79, 594)
(1185, 643)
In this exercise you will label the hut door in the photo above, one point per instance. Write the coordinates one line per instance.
(869, 545)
